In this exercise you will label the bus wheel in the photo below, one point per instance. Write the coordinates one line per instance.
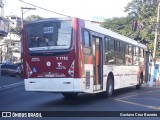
(70, 95)
(110, 86)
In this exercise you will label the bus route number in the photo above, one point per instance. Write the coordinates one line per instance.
(62, 58)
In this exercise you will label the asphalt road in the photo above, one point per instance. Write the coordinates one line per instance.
(128, 99)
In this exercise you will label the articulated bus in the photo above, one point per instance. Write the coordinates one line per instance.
(71, 56)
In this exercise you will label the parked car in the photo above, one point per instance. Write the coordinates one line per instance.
(10, 70)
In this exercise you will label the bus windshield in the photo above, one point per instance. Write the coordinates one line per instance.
(46, 36)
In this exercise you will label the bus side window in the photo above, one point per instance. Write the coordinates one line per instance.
(135, 56)
(128, 54)
(141, 52)
(86, 42)
(141, 56)
(109, 50)
(120, 50)
(86, 39)
(86, 47)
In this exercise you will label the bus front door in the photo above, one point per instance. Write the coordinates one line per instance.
(97, 61)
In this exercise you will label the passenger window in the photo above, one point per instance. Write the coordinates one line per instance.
(111, 43)
(128, 56)
(117, 46)
(141, 52)
(122, 47)
(127, 49)
(86, 39)
(141, 58)
(106, 44)
(136, 56)
(137, 51)
(120, 59)
(86, 42)
(130, 50)
(109, 52)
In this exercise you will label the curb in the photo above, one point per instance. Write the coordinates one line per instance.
(147, 85)
(11, 85)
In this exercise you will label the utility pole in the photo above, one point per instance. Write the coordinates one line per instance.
(22, 8)
(1, 53)
(21, 40)
(155, 46)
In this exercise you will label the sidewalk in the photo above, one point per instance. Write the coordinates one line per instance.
(7, 82)
(147, 85)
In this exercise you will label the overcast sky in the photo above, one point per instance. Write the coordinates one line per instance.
(85, 9)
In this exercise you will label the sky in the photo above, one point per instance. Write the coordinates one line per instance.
(85, 9)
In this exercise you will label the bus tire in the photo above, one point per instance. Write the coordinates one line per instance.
(140, 82)
(69, 95)
(110, 86)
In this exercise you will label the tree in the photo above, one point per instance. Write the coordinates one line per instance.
(32, 18)
(120, 25)
(17, 30)
(144, 12)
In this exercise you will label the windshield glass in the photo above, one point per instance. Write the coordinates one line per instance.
(49, 35)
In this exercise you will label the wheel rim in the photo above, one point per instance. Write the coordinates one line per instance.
(110, 87)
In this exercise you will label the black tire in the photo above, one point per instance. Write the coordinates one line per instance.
(70, 95)
(110, 86)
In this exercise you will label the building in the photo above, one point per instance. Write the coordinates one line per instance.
(9, 41)
(14, 21)
(4, 24)
(97, 20)
(12, 47)
(1, 8)
(4, 29)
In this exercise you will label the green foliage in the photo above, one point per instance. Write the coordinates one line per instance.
(32, 18)
(117, 24)
(16, 30)
(145, 13)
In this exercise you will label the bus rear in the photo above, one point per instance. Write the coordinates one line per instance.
(51, 56)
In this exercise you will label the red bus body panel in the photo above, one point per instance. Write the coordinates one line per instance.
(59, 64)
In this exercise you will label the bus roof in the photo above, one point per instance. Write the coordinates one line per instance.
(49, 19)
(110, 33)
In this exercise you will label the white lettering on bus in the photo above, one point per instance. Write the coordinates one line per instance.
(35, 59)
(65, 58)
(48, 30)
(60, 66)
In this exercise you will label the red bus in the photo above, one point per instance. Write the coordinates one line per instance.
(71, 56)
